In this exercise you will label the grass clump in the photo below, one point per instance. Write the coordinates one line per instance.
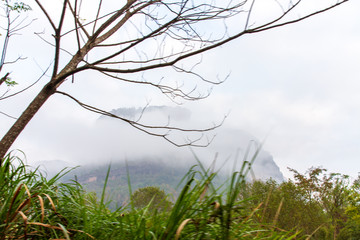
(33, 207)
(28, 203)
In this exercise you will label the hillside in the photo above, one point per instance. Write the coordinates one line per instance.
(142, 173)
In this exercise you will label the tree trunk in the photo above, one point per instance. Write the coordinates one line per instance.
(10, 137)
(48, 90)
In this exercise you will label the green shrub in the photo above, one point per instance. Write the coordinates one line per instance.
(151, 197)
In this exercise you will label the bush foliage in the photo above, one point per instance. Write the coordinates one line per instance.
(151, 197)
(315, 205)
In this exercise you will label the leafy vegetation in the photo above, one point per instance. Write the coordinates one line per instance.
(144, 173)
(315, 205)
(151, 197)
(28, 202)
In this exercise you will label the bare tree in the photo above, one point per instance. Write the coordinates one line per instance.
(138, 36)
(11, 26)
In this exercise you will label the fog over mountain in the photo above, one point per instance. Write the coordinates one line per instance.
(176, 113)
(110, 140)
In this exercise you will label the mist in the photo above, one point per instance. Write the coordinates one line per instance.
(105, 140)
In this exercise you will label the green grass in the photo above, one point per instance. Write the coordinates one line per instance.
(27, 201)
(33, 207)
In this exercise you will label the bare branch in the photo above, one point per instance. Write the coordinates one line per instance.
(151, 129)
(26, 88)
(76, 20)
(46, 14)
(7, 115)
(10, 31)
(141, 36)
(6, 40)
(171, 92)
(266, 27)
(249, 14)
(78, 24)
(38, 34)
(3, 79)
(97, 16)
(57, 39)
(16, 60)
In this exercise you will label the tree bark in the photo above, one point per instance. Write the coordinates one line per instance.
(10, 137)
(48, 90)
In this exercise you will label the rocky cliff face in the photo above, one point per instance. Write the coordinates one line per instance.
(265, 167)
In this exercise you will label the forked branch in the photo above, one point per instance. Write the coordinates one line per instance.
(124, 42)
(153, 130)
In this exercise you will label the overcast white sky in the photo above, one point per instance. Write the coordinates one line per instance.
(297, 86)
